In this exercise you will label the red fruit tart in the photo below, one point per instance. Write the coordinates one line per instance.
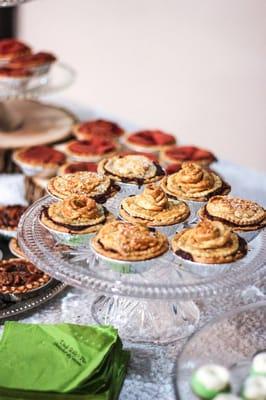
(71, 168)
(179, 154)
(11, 48)
(14, 79)
(39, 63)
(93, 149)
(97, 128)
(149, 140)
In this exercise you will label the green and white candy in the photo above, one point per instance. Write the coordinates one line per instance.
(254, 388)
(258, 366)
(210, 380)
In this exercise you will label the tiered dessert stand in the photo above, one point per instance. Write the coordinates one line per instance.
(158, 304)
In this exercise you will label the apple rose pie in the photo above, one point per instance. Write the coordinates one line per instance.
(209, 242)
(88, 183)
(76, 214)
(136, 169)
(153, 208)
(195, 183)
(129, 242)
(238, 214)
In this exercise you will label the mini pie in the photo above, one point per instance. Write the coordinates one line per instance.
(11, 48)
(209, 242)
(129, 242)
(238, 214)
(19, 276)
(131, 168)
(76, 214)
(40, 156)
(93, 149)
(149, 140)
(30, 61)
(97, 128)
(152, 208)
(10, 216)
(6, 72)
(89, 183)
(195, 183)
(71, 168)
(179, 154)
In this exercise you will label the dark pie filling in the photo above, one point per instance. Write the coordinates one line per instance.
(81, 166)
(10, 216)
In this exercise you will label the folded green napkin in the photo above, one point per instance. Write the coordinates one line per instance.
(63, 361)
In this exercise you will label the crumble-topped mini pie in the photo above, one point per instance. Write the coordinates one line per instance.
(89, 183)
(238, 214)
(152, 208)
(93, 149)
(39, 63)
(131, 169)
(149, 140)
(97, 128)
(10, 216)
(11, 48)
(179, 154)
(195, 183)
(209, 242)
(129, 242)
(78, 214)
(18, 276)
(71, 168)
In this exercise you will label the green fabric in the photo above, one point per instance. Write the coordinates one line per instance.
(61, 361)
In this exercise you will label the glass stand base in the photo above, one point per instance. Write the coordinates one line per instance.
(147, 321)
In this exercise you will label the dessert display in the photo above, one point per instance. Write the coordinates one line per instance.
(91, 184)
(244, 217)
(209, 242)
(38, 63)
(210, 380)
(93, 149)
(97, 128)
(153, 208)
(258, 366)
(15, 248)
(14, 79)
(129, 242)
(9, 219)
(42, 160)
(73, 219)
(132, 169)
(254, 388)
(72, 167)
(194, 183)
(149, 140)
(179, 154)
(12, 48)
(19, 276)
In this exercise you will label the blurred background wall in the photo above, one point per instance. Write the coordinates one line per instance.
(192, 67)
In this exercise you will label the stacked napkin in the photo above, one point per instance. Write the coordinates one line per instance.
(63, 361)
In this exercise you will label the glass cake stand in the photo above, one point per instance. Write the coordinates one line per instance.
(156, 304)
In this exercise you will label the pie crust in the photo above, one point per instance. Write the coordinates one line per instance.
(179, 154)
(15, 248)
(135, 169)
(195, 183)
(77, 214)
(153, 208)
(149, 140)
(10, 216)
(18, 276)
(40, 156)
(97, 128)
(93, 149)
(129, 242)
(209, 242)
(11, 48)
(238, 214)
(89, 183)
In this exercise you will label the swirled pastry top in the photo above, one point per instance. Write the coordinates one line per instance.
(236, 212)
(88, 183)
(10, 48)
(40, 156)
(195, 183)
(95, 146)
(131, 168)
(20, 276)
(76, 214)
(150, 139)
(209, 242)
(10, 216)
(179, 154)
(129, 242)
(32, 60)
(97, 128)
(71, 168)
(153, 208)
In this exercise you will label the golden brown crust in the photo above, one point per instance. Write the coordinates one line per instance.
(15, 248)
(129, 242)
(195, 183)
(209, 242)
(152, 208)
(131, 169)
